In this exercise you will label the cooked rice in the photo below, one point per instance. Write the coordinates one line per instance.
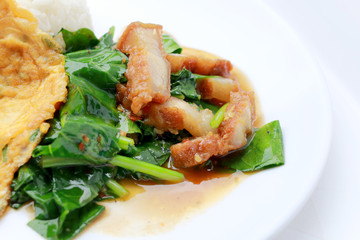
(53, 15)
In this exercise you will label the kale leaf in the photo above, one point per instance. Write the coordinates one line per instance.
(265, 150)
(183, 85)
(170, 45)
(83, 38)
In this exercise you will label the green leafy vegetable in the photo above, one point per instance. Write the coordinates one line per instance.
(89, 119)
(170, 45)
(68, 224)
(126, 125)
(25, 175)
(29, 177)
(85, 99)
(106, 41)
(147, 132)
(93, 76)
(264, 151)
(183, 85)
(83, 137)
(64, 197)
(81, 39)
(154, 152)
(83, 187)
(101, 67)
(74, 222)
(45, 204)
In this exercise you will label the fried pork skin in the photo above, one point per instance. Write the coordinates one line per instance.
(231, 134)
(148, 71)
(218, 88)
(176, 114)
(200, 65)
(32, 83)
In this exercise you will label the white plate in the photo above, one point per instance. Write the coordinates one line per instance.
(290, 88)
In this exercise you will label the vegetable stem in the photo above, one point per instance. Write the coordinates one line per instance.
(119, 190)
(124, 142)
(147, 168)
(219, 116)
(49, 162)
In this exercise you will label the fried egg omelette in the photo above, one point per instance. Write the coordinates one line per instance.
(32, 85)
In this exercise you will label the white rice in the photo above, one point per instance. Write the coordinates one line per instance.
(53, 15)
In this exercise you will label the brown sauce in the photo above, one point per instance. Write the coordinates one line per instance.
(154, 209)
(197, 176)
(160, 207)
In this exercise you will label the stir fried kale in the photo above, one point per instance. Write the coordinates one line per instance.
(63, 197)
(83, 155)
(76, 165)
(89, 119)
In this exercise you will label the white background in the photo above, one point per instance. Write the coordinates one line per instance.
(330, 29)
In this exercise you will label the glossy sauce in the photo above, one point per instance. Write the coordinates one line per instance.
(154, 209)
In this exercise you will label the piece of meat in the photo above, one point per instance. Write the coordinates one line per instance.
(217, 88)
(200, 65)
(148, 71)
(196, 151)
(32, 84)
(176, 114)
(122, 96)
(238, 119)
(231, 134)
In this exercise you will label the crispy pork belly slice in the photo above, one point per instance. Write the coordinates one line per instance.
(148, 71)
(231, 135)
(176, 114)
(238, 119)
(217, 88)
(200, 65)
(196, 151)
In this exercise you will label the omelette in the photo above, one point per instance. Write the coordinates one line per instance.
(32, 86)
